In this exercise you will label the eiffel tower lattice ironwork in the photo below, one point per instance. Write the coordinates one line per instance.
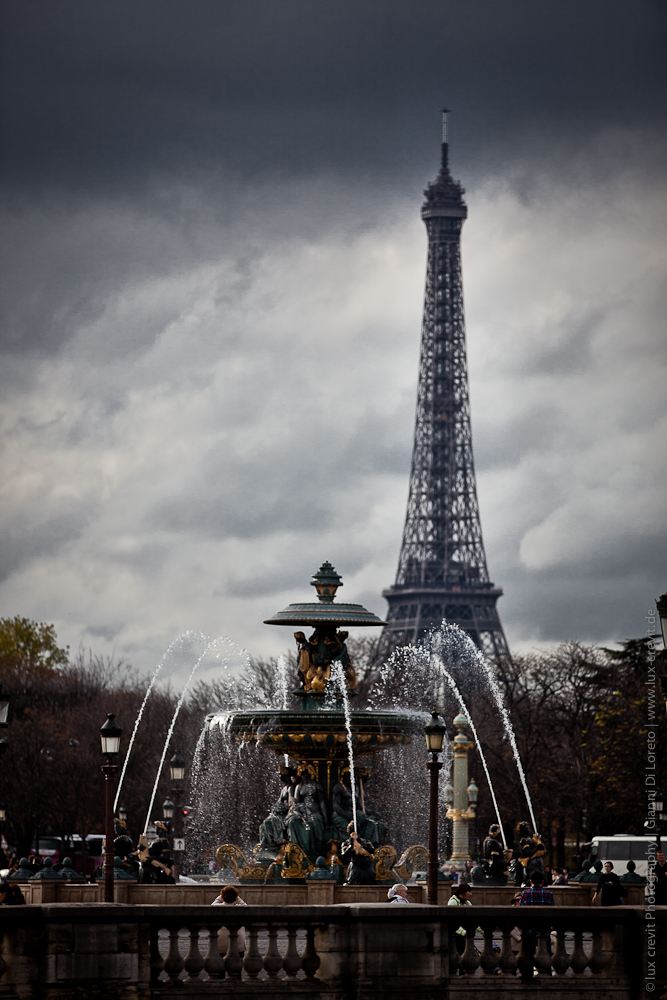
(442, 571)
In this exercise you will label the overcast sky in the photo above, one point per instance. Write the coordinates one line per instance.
(213, 270)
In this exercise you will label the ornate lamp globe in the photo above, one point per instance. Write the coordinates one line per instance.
(110, 734)
(167, 809)
(434, 732)
(460, 720)
(473, 792)
(177, 768)
(122, 814)
(326, 582)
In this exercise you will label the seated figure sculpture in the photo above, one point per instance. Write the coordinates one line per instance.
(369, 824)
(306, 819)
(272, 831)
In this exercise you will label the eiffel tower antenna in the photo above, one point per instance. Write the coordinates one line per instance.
(442, 571)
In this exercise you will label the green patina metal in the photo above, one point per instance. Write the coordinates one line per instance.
(325, 611)
(315, 741)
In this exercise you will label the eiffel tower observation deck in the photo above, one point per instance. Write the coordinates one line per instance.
(442, 571)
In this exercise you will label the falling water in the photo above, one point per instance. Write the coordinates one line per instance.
(452, 636)
(171, 728)
(457, 694)
(184, 635)
(497, 694)
(338, 678)
(282, 682)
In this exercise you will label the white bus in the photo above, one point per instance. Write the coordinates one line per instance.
(621, 848)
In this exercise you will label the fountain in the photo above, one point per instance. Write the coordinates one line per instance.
(322, 743)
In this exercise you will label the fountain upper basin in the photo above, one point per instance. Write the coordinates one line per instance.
(321, 735)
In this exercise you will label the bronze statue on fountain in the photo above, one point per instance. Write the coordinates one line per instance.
(311, 816)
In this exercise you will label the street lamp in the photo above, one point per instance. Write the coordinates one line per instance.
(177, 768)
(4, 708)
(110, 734)
(3, 812)
(434, 732)
(122, 814)
(167, 809)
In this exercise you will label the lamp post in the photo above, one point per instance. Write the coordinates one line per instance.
(110, 734)
(177, 773)
(464, 795)
(434, 732)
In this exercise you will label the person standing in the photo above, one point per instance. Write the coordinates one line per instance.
(609, 887)
(461, 896)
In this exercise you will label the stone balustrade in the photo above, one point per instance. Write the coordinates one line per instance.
(362, 951)
(313, 893)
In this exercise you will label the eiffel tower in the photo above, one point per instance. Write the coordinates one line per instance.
(442, 571)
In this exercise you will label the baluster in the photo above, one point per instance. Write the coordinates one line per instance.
(233, 961)
(310, 961)
(597, 959)
(561, 959)
(578, 958)
(292, 960)
(157, 961)
(469, 958)
(253, 961)
(273, 960)
(194, 963)
(524, 959)
(173, 965)
(214, 962)
(489, 959)
(454, 957)
(507, 960)
(542, 956)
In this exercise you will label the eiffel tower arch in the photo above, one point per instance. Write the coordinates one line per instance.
(442, 570)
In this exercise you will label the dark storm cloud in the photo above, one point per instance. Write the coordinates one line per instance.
(212, 273)
(108, 93)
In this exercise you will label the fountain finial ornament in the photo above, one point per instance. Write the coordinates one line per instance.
(326, 644)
